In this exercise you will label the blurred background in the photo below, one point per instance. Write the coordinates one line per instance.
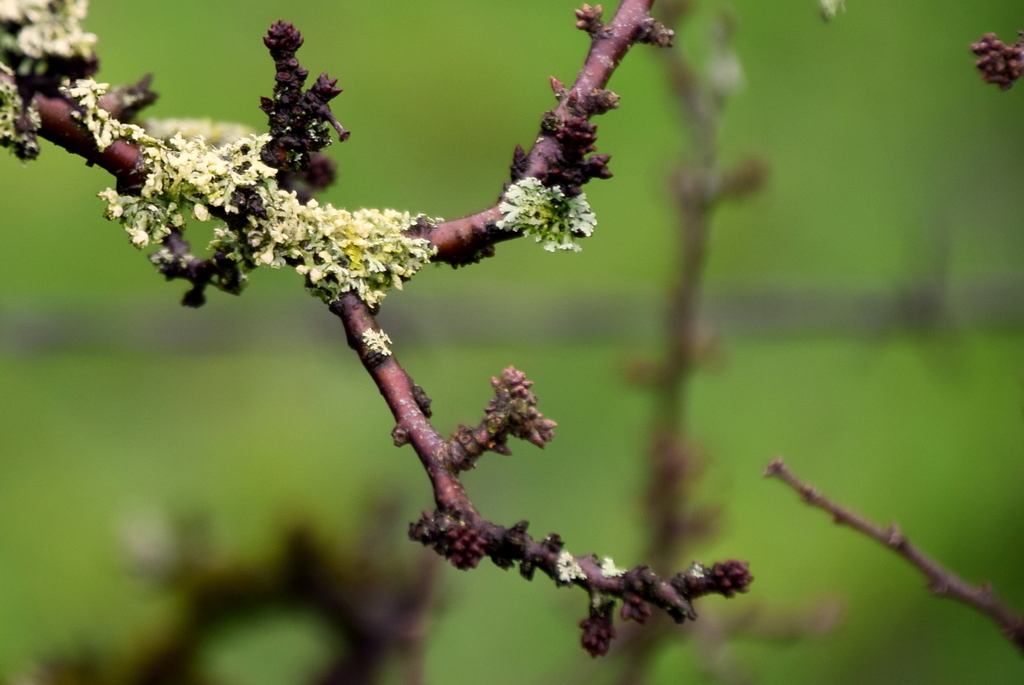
(867, 305)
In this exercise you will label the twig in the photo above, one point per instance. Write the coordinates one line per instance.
(941, 581)
(698, 185)
(459, 532)
(464, 239)
(674, 461)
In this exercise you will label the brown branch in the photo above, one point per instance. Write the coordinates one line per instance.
(458, 531)
(399, 393)
(467, 239)
(675, 462)
(58, 125)
(697, 186)
(941, 581)
(372, 604)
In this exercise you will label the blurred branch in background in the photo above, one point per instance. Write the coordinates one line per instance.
(1002, 65)
(373, 601)
(699, 184)
(941, 581)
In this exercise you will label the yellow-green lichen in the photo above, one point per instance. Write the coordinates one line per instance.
(377, 341)
(568, 569)
(830, 8)
(216, 133)
(10, 112)
(45, 28)
(103, 127)
(365, 251)
(547, 214)
(609, 570)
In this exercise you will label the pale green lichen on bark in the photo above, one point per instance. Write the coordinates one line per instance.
(200, 167)
(10, 113)
(609, 569)
(830, 8)
(377, 341)
(215, 133)
(10, 110)
(45, 28)
(568, 569)
(547, 214)
(365, 251)
(33, 32)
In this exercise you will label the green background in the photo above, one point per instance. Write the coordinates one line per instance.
(883, 144)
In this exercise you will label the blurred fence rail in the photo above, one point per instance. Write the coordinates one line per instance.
(113, 325)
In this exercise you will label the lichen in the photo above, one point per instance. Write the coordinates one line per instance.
(45, 28)
(165, 258)
(377, 341)
(215, 133)
(609, 570)
(830, 8)
(568, 569)
(104, 128)
(365, 251)
(547, 214)
(10, 113)
(601, 601)
(10, 110)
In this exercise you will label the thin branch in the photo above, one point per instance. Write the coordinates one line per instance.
(674, 462)
(58, 125)
(941, 581)
(400, 394)
(698, 185)
(466, 239)
(458, 531)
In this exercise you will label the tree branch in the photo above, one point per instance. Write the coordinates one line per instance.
(123, 159)
(371, 603)
(941, 581)
(558, 161)
(458, 531)
(467, 239)
(675, 463)
(399, 393)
